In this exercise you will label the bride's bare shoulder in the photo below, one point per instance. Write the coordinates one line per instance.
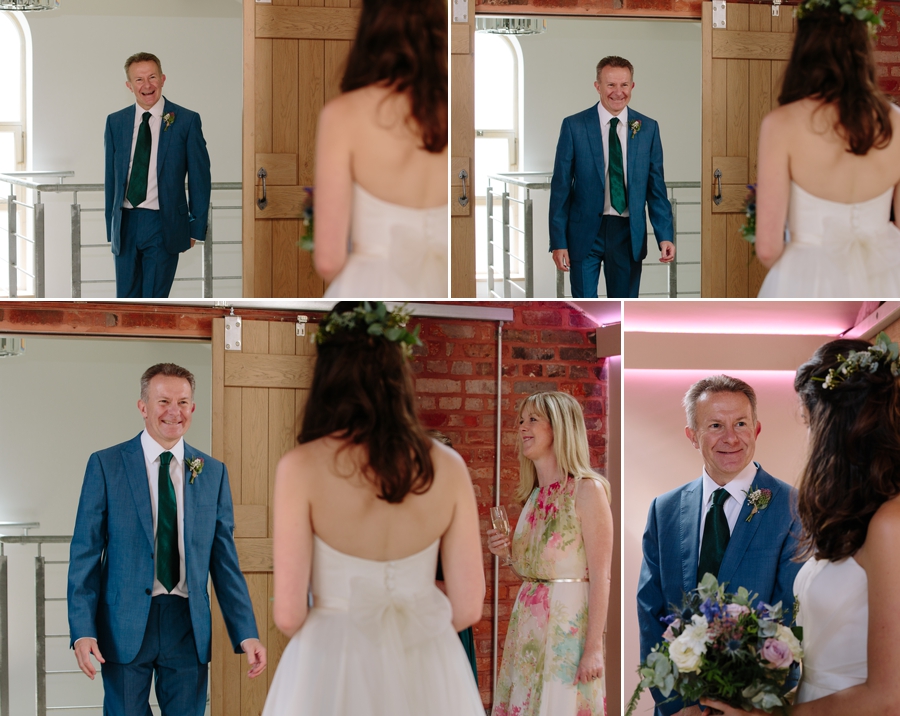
(883, 535)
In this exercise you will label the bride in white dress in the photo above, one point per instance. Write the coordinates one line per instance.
(849, 592)
(363, 505)
(829, 164)
(381, 216)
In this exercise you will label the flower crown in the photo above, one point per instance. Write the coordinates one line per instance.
(377, 320)
(862, 10)
(883, 353)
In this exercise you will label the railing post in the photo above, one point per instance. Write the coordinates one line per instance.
(529, 246)
(4, 637)
(39, 288)
(206, 270)
(12, 210)
(76, 247)
(40, 636)
(489, 202)
(505, 200)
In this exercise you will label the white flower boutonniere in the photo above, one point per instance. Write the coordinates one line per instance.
(635, 127)
(196, 467)
(759, 499)
(169, 119)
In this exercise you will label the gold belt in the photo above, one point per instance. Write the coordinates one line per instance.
(547, 581)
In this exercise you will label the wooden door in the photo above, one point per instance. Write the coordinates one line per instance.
(258, 395)
(743, 65)
(462, 150)
(294, 57)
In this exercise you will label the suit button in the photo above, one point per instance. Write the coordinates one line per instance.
(148, 591)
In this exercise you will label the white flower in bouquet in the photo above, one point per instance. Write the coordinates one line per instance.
(683, 655)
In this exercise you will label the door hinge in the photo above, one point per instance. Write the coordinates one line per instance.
(301, 326)
(718, 8)
(232, 332)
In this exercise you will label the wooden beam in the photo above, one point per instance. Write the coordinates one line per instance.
(306, 23)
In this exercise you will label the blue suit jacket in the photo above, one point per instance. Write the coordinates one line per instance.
(181, 153)
(579, 177)
(111, 556)
(758, 556)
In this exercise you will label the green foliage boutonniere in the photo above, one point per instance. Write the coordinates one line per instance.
(196, 467)
(169, 119)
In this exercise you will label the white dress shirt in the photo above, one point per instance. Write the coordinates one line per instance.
(155, 121)
(622, 131)
(736, 488)
(152, 451)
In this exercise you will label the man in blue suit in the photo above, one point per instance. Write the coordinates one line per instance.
(609, 165)
(154, 523)
(150, 148)
(709, 524)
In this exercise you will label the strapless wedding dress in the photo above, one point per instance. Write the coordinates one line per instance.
(834, 614)
(395, 251)
(837, 250)
(378, 642)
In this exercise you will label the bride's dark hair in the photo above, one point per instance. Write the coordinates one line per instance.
(403, 44)
(362, 391)
(853, 465)
(833, 60)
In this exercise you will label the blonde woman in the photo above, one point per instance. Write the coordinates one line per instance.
(562, 547)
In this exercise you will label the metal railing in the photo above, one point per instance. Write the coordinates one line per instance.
(27, 181)
(504, 254)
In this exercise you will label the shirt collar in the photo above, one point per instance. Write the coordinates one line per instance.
(736, 487)
(156, 110)
(605, 115)
(152, 449)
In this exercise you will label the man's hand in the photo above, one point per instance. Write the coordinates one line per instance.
(256, 656)
(667, 255)
(561, 259)
(83, 650)
(193, 241)
(690, 710)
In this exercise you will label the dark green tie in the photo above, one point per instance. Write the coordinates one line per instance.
(167, 560)
(715, 536)
(140, 165)
(616, 173)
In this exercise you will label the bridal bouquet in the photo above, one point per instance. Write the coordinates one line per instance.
(748, 230)
(719, 646)
(306, 239)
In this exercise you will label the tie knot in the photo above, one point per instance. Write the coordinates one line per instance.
(145, 117)
(613, 122)
(719, 496)
(165, 458)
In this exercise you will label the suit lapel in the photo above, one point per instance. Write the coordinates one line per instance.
(190, 492)
(595, 139)
(136, 473)
(741, 538)
(125, 132)
(691, 507)
(163, 141)
(631, 142)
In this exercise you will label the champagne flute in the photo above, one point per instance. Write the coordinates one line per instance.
(501, 523)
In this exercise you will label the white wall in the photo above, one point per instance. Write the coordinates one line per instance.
(64, 399)
(79, 53)
(559, 72)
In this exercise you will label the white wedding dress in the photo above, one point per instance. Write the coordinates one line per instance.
(395, 251)
(834, 614)
(378, 642)
(837, 250)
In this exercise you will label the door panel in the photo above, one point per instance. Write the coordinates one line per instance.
(743, 64)
(294, 57)
(258, 394)
(462, 152)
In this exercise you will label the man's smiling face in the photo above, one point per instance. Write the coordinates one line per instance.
(146, 82)
(167, 409)
(725, 434)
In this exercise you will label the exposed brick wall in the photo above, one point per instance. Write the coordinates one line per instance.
(887, 45)
(548, 346)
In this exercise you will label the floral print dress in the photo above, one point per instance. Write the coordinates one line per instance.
(549, 622)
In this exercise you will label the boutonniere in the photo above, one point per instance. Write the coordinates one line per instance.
(169, 119)
(635, 127)
(759, 498)
(196, 467)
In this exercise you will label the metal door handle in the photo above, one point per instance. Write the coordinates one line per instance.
(263, 203)
(464, 199)
(718, 197)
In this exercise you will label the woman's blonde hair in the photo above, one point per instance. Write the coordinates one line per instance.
(570, 443)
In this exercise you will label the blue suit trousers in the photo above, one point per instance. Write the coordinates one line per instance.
(169, 652)
(612, 249)
(144, 268)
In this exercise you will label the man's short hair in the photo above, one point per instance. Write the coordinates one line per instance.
(166, 369)
(715, 384)
(147, 57)
(614, 61)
